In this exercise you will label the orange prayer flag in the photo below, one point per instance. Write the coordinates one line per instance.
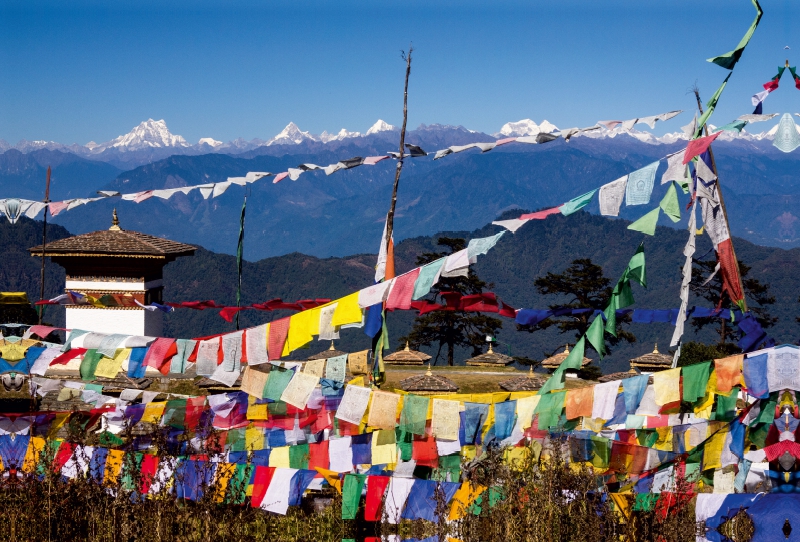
(729, 372)
(333, 478)
(579, 402)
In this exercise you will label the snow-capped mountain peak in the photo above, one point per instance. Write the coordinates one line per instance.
(291, 135)
(381, 126)
(210, 141)
(524, 127)
(342, 134)
(149, 134)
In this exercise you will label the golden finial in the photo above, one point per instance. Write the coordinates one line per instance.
(566, 349)
(428, 372)
(490, 349)
(655, 348)
(407, 349)
(115, 222)
(331, 348)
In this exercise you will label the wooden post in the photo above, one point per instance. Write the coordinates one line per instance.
(390, 273)
(44, 243)
(722, 201)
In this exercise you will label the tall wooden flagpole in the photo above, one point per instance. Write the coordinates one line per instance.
(390, 272)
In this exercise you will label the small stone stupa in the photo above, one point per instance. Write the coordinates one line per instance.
(653, 362)
(325, 354)
(552, 363)
(407, 357)
(529, 382)
(490, 359)
(428, 384)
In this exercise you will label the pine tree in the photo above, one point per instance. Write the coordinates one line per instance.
(758, 299)
(580, 286)
(452, 329)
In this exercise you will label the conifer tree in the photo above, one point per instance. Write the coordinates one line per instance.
(451, 329)
(580, 286)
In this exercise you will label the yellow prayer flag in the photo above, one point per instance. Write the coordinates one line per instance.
(113, 466)
(667, 385)
(384, 447)
(525, 408)
(279, 457)
(333, 478)
(33, 454)
(347, 311)
(254, 437)
(222, 478)
(463, 499)
(302, 328)
(153, 412)
(110, 367)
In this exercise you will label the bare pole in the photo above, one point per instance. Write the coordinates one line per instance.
(721, 200)
(390, 216)
(44, 244)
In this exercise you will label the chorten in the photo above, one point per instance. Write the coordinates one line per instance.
(123, 270)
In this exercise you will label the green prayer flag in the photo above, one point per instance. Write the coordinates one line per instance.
(276, 382)
(645, 502)
(237, 485)
(695, 379)
(405, 444)
(737, 125)
(351, 494)
(414, 414)
(726, 406)
(298, 456)
(636, 267)
(712, 103)
(576, 204)
(427, 275)
(596, 337)
(549, 409)
(647, 224)
(602, 451)
(611, 316)
(670, 204)
(174, 414)
(555, 382)
(729, 59)
(89, 364)
(575, 358)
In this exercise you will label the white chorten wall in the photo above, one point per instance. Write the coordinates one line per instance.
(125, 320)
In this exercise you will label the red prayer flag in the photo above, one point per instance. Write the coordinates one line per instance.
(261, 480)
(71, 354)
(318, 455)
(729, 269)
(698, 146)
(156, 354)
(540, 215)
(278, 331)
(402, 291)
(376, 487)
(149, 469)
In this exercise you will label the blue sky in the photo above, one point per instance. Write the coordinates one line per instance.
(93, 70)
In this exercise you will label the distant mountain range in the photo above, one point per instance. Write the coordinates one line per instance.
(343, 214)
(151, 140)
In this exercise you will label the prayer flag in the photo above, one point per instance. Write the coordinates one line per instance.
(729, 59)
(647, 223)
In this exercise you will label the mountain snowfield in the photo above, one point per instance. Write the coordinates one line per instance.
(154, 135)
